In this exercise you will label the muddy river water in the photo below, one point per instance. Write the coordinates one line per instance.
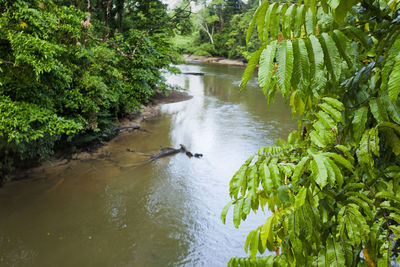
(118, 211)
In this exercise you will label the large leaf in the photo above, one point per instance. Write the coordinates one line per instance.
(289, 21)
(301, 68)
(268, 19)
(319, 169)
(250, 67)
(334, 254)
(378, 110)
(299, 21)
(259, 18)
(266, 67)
(332, 58)
(359, 122)
(284, 58)
(394, 81)
(317, 60)
(225, 211)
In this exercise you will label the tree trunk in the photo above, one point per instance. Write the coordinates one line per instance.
(205, 28)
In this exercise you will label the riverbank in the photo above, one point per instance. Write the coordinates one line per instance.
(213, 60)
(64, 160)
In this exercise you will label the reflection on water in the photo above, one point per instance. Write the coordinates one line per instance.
(118, 211)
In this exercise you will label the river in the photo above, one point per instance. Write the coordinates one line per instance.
(118, 211)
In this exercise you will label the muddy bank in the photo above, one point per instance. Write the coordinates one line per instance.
(213, 60)
(61, 161)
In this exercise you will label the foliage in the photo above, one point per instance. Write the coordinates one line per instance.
(333, 186)
(67, 74)
(219, 29)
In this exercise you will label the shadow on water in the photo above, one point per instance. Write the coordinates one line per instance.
(119, 211)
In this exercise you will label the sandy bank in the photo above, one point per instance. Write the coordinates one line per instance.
(213, 60)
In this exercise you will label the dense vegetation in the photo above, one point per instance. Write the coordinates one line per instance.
(69, 68)
(333, 187)
(219, 29)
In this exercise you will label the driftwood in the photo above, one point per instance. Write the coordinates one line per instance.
(194, 73)
(168, 151)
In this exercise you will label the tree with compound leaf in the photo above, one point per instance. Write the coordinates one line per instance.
(333, 187)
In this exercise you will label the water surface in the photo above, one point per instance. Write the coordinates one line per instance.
(114, 210)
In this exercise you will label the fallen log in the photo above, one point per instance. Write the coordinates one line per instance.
(168, 151)
(194, 73)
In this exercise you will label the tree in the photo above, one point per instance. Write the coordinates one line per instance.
(70, 68)
(333, 186)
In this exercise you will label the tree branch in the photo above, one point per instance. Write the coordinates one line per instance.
(10, 63)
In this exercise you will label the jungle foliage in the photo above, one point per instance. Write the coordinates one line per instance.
(219, 29)
(332, 189)
(69, 68)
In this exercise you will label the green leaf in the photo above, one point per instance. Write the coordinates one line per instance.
(393, 109)
(248, 239)
(237, 181)
(359, 122)
(289, 21)
(259, 18)
(266, 231)
(274, 24)
(299, 20)
(247, 206)
(317, 139)
(283, 195)
(394, 80)
(342, 42)
(338, 173)
(341, 160)
(317, 60)
(389, 62)
(266, 68)
(369, 144)
(319, 169)
(275, 174)
(391, 125)
(334, 103)
(392, 139)
(299, 169)
(301, 67)
(284, 58)
(225, 211)
(265, 176)
(332, 58)
(237, 212)
(334, 113)
(334, 254)
(253, 182)
(268, 18)
(333, 3)
(378, 110)
(254, 245)
(388, 195)
(300, 198)
(310, 22)
(250, 67)
(326, 120)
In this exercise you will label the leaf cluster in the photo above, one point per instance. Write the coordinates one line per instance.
(333, 186)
